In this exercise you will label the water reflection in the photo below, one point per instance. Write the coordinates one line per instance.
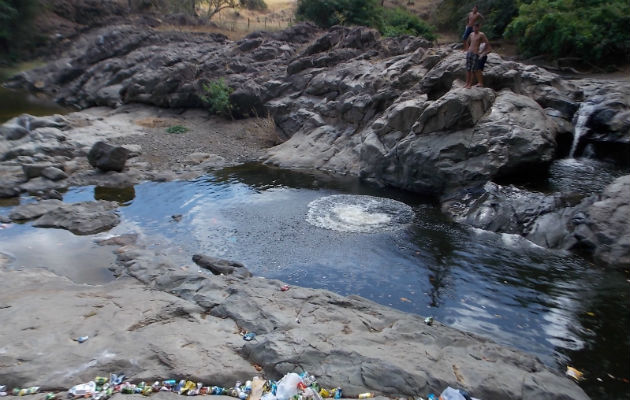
(15, 102)
(123, 196)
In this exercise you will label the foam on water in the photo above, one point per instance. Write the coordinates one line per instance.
(354, 213)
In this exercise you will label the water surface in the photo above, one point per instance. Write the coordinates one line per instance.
(555, 305)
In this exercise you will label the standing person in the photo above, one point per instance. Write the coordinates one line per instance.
(473, 17)
(476, 55)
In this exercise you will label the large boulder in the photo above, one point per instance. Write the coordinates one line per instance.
(596, 225)
(107, 157)
(466, 137)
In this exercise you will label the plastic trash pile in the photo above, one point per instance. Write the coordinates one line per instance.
(292, 386)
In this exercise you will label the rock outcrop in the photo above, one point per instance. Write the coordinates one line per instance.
(83, 218)
(596, 225)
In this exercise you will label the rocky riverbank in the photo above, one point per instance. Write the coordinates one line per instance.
(187, 322)
(347, 101)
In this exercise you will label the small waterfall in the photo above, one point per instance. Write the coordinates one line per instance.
(581, 118)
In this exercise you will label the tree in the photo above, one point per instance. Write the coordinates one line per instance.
(15, 24)
(214, 6)
(594, 30)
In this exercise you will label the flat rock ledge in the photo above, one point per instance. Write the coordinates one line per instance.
(175, 322)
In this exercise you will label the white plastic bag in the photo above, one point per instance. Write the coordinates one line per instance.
(287, 387)
(451, 394)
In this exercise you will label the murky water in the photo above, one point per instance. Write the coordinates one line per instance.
(16, 102)
(552, 304)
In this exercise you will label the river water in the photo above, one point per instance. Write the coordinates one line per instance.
(315, 230)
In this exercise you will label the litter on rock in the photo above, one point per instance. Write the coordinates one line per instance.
(82, 339)
(249, 336)
(574, 373)
(428, 321)
(284, 288)
(292, 386)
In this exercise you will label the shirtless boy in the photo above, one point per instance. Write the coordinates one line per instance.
(475, 55)
(473, 17)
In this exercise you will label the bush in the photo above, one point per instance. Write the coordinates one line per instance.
(16, 31)
(217, 96)
(595, 30)
(327, 13)
(399, 21)
(177, 129)
(452, 15)
(254, 4)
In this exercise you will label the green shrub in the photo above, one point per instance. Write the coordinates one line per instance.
(217, 96)
(452, 15)
(327, 13)
(596, 30)
(16, 30)
(253, 4)
(176, 129)
(399, 21)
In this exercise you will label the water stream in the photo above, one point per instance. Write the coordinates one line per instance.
(392, 247)
(579, 121)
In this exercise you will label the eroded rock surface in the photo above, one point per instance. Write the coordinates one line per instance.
(193, 331)
(596, 225)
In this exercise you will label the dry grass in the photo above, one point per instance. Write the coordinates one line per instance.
(157, 122)
(236, 24)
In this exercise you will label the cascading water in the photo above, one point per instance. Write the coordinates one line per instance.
(353, 213)
(580, 120)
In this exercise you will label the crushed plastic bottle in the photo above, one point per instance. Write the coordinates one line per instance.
(83, 390)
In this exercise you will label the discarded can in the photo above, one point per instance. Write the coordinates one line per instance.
(428, 321)
(50, 396)
(574, 373)
(284, 288)
(248, 387)
(217, 390)
(82, 339)
(100, 380)
(249, 336)
(432, 396)
(338, 393)
(169, 382)
(324, 393)
(366, 395)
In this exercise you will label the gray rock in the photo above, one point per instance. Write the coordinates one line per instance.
(34, 210)
(219, 266)
(53, 173)
(34, 170)
(13, 132)
(596, 225)
(107, 157)
(83, 218)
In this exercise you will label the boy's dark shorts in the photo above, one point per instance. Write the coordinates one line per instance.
(467, 32)
(471, 61)
(481, 63)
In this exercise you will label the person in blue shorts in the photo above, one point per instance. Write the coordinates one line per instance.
(473, 17)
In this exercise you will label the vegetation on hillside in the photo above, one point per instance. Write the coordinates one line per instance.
(16, 31)
(390, 22)
(452, 15)
(594, 30)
